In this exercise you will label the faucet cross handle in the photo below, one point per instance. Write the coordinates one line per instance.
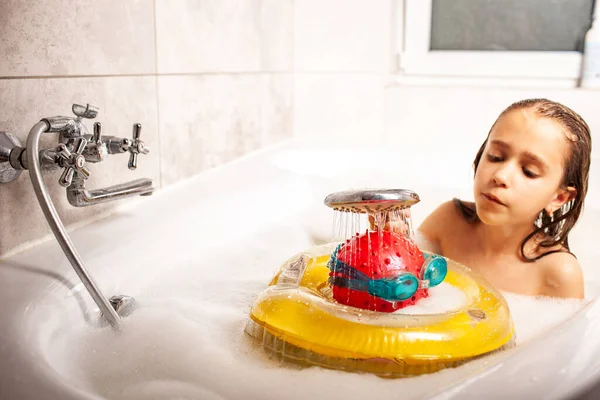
(73, 162)
(97, 136)
(96, 150)
(136, 147)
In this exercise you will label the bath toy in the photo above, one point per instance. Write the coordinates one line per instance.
(347, 304)
(382, 271)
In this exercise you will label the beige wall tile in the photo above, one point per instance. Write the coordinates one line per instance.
(207, 120)
(276, 108)
(430, 119)
(223, 35)
(346, 107)
(122, 101)
(459, 118)
(58, 38)
(342, 35)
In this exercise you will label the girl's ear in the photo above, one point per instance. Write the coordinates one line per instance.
(562, 197)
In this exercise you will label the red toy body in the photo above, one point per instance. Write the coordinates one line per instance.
(379, 255)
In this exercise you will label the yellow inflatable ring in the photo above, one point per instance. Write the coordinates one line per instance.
(296, 318)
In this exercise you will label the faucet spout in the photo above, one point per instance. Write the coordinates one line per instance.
(79, 196)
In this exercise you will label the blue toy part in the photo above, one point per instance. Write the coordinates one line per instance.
(398, 288)
(435, 269)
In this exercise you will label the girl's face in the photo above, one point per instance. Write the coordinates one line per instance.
(521, 169)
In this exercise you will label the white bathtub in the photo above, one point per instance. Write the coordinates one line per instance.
(196, 254)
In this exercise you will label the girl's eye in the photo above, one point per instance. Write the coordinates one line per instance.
(493, 158)
(529, 174)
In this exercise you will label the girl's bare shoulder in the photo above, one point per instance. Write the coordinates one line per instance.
(448, 216)
(562, 275)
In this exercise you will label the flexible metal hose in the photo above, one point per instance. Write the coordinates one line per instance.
(58, 228)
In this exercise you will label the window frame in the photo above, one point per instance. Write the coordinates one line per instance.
(417, 60)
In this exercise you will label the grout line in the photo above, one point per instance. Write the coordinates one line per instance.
(403, 25)
(157, 98)
(293, 75)
(74, 76)
(394, 46)
(144, 75)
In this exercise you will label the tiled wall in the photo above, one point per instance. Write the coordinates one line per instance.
(341, 64)
(209, 80)
(458, 118)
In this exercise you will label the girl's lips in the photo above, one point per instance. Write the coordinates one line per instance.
(493, 199)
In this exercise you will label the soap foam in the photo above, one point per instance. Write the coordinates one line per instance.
(533, 316)
(443, 298)
(192, 346)
(186, 339)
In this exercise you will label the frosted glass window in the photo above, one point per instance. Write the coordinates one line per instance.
(511, 25)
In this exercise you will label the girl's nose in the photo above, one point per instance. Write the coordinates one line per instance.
(501, 177)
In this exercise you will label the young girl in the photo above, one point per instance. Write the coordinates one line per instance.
(531, 178)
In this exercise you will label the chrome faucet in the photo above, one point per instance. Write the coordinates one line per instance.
(75, 148)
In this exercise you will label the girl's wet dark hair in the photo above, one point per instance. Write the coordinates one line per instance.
(556, 227)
